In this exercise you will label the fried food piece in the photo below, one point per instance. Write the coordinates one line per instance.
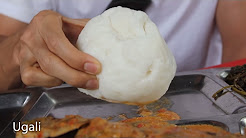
(153, 120)
(194, 131)
(164, 114)
(149, 126)
(102, 128)
(51, 127)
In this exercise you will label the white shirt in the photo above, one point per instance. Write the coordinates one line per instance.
(188, 26)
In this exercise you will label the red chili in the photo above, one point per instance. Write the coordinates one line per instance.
(40, 135)
(140, 125)
(162, 111)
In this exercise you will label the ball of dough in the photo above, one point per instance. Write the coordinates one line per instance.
(137, 66)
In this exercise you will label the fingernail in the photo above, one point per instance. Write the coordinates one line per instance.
(92, 84)
(91, 68)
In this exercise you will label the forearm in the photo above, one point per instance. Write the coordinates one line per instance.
(2, 38)
(231, 21)
(9, 66)
(232, 52)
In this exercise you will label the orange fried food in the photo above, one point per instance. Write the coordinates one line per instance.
(194, 131)
(102, 128)
(152, 120)
(150, 125)
(51, 127)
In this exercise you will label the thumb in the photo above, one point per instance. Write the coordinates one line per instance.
(73, 27)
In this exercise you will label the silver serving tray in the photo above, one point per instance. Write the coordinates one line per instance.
(189, 95)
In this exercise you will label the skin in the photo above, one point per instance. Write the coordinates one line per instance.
(231, 21)
(39, 53)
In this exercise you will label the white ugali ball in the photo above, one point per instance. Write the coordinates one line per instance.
(137, 66)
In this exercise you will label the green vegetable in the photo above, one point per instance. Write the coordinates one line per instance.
(236, 80)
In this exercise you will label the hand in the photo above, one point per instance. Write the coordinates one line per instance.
(47, 56)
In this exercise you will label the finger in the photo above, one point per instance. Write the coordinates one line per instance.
(34, 76)
(60, 45)
(31, 74)
(73, 27)
(56, 67)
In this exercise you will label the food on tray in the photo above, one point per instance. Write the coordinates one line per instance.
(102, 128)
(152, 120)
(52, 127)
(149, 125)
(137, 66)
(236, 80)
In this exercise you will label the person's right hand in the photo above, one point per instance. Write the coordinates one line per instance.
(47, 56)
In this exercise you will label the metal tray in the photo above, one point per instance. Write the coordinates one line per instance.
(189, 95)
(242, 126)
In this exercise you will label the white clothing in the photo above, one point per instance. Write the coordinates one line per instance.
(188, 26)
